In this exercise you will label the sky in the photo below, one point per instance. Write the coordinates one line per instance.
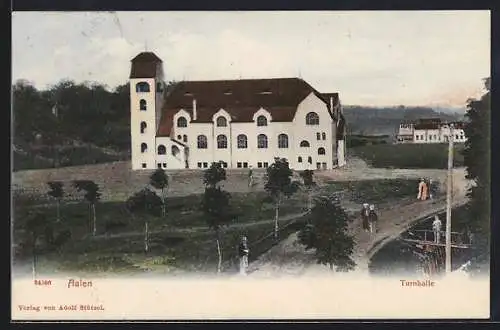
(412, 58)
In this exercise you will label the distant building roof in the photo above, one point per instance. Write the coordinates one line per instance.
(240, 98)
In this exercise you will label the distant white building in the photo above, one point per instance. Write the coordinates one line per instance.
(430, 131)
(242, 123)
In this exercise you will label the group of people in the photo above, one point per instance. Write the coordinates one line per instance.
(427, 189)
(369, 217)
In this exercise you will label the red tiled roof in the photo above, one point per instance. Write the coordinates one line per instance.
(144, 65)
(240, 98)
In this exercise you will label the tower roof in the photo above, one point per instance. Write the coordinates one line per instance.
(145, 65)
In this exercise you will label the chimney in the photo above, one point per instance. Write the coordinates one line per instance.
(331, 107)
(194, 109)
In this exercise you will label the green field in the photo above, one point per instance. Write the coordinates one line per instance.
(409, 156)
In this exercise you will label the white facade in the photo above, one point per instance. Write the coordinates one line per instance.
(438, 134)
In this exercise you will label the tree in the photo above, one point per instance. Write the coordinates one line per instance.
(326, 232)
(37, 225)
(215, 204)
(144, 203)
(56, 191)
(159, 180)
(92, 195)
(309, 184)
(477, 161)
(279, 184)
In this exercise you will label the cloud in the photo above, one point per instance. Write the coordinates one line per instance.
(369, 57)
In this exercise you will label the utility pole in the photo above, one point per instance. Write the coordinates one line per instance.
(448, 200)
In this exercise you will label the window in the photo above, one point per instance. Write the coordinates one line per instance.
(162, 150)
(221, 141)
(159, 87)
(144, 165)
(261, 121)
(221, 122)
(205, 165)
(245, 164)
(181, 122)
(164, 165)
(143, 127)
(179, 137)
(175, 150)
(261, 141)
(159, 165)
(144, 147)
(266, 164)
(224, 164)
(309, 160)
(318, 136)
(421, 137)
(259, 165)
(304, 144)
(323, 165)
(282, 141)
(456, 136)
(430, 137)
(417, 137)
(299, 159)
(321, 151)
(312, 118)
(238, 164)
(142, 87)
(323, 136)
(202, 142)
(142, 105)
(318, 166)
(185, 138)
(242, 141)
(199, 164)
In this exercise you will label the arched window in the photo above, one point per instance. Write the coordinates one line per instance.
(304, 144)
(221, 121)
(179, 137)
(144, 147)
(321, 151)
(309, 160)
(162, 150)
(312, 118)
(142, 105)
(282, 141)
(323, 136)
(261, 141)
(300, 159)
(143, 127)
(202, 142)
(261, 121)
(181, 122)
(142, 87)
(175, 150)
(221, 141)
(242, 141)
(185, 138)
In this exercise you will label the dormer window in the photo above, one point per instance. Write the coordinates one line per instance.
(228, 92)
(221, 122)
(188, 94)
(266, 92)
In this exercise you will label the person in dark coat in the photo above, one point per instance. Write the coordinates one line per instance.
(364, 216)
(243, 251)
(372, 219)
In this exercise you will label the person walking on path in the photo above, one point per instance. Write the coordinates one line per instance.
(364, 216)
(436, 227)
(372, 219)
(250, 177)
(243, 253)
(422, 190)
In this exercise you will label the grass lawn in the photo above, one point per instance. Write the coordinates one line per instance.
(409, 155)
(373, 191)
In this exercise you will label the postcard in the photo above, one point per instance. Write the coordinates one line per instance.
(250, 165)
